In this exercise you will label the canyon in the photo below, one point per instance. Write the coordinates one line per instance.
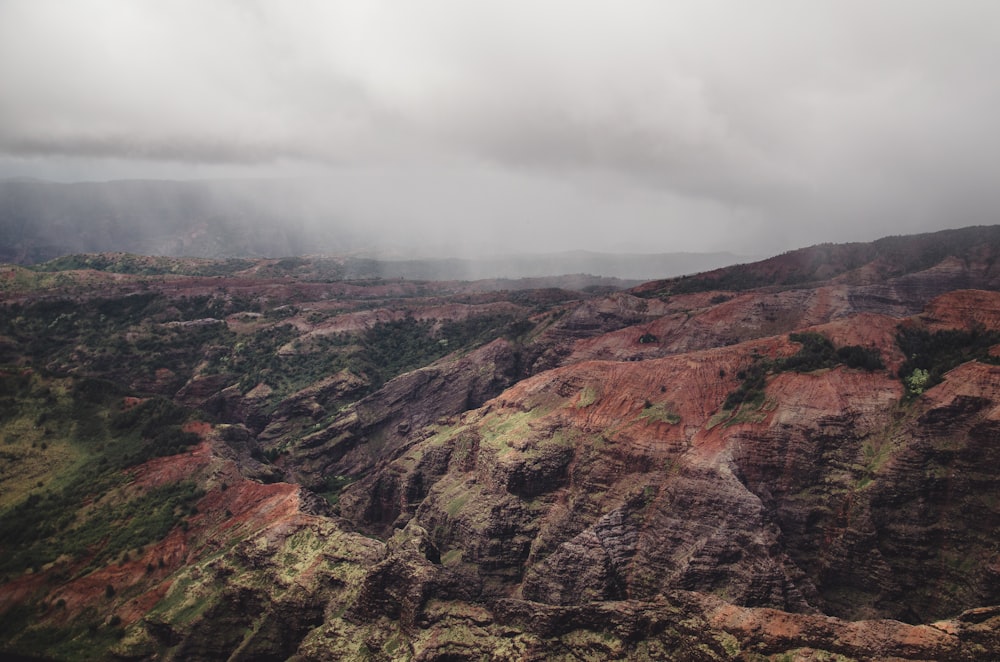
(793, 459)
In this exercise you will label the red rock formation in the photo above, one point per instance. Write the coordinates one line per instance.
(612, 480)
(580, 489)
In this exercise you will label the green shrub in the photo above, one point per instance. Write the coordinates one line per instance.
(817, 352)
(930, 355)
(38, 530)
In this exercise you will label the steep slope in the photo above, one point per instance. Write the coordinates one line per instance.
(252, 568)
(627, 327)
(874, 263)
(629, 481)
(223, 462)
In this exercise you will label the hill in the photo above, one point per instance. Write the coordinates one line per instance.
(264, 459)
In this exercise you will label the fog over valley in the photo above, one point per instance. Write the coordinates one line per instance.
(42, 220)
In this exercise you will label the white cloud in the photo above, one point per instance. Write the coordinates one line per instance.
(824, 120)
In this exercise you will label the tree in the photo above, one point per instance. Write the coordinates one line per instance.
(917, 381)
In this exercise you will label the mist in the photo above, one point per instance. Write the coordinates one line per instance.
(457, 129)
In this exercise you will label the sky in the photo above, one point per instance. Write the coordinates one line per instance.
(751, 127)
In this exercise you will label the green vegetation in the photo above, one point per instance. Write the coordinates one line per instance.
(87, 637)
(392, 348)
(751, 391)
(127, 263)
(259, 357)
(588, 396)
(875, 452)
(451, 558)
(916, 381)
(504, 431)
(278, 356)
(751, 412)
(42, 528)
(124, 339)
(67, 442)
(151, 341)
(332, 486)
(661, 412)
(816, 353)
(930, 355)
(88, 418)
(456, 504)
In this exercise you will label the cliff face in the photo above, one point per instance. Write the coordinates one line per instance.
(626, 481)
(782, 473)
(611, 480)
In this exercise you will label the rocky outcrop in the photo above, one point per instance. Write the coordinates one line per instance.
(379, 425)
(578, 489)
(611, 481)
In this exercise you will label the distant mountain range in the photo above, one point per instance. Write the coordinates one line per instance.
(40, 221)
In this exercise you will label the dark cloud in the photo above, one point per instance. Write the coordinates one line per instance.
(712, 125)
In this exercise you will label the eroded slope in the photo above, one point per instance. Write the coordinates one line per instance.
(705, 475)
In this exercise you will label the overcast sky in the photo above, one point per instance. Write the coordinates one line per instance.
(753, 127)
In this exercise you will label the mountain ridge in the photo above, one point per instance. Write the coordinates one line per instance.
(399, 470)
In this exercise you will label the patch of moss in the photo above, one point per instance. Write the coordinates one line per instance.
(451, 558)
(660, 412)
(456, 504)
(729, 643)
(588, 396)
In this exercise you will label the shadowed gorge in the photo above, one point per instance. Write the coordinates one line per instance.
(263, 459)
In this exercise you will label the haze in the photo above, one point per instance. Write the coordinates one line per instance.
(523, 126)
